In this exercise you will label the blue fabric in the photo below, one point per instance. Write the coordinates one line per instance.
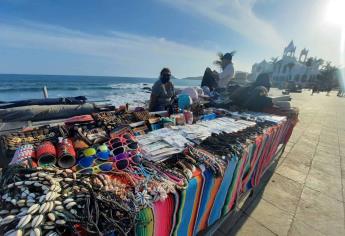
(205, 195)
(216, 211)
(188, 207)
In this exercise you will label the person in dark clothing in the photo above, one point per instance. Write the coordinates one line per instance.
(315, 89)
(163, 92)
(209, 79)
(254, 97)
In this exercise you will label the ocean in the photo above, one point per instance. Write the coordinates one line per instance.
(115, 90)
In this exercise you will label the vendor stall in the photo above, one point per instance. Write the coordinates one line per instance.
(135, 173)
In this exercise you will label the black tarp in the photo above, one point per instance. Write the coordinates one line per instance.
(47, 101)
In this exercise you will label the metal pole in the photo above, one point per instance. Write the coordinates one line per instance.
(45, 92)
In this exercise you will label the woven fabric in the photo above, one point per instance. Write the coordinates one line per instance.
(176, 214)
(182, 200)
(235, 185)
(163, 214)
(216, 210)
(145, 227)
(211, 201)
(190, 206)
(197, 202)
(205, 199)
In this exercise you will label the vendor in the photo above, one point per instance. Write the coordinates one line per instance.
(253, 97)
(227, 70)
(209, 80)
(163, 92)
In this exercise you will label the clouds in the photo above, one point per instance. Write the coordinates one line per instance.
(124, 53)
(237, 15)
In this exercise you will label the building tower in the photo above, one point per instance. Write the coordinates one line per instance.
(304, 53)
(289, 51)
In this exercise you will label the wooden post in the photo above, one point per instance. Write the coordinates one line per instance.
(45, 92)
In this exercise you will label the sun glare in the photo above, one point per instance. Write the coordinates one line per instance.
(336, 12)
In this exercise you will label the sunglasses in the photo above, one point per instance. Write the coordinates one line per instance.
(130, 144)
(135, 157)
(86, 161)
(132, 157)
(103, 152)
(88, 152)
(126, 137)
(119, 148)
(103, 167)
(120, 162)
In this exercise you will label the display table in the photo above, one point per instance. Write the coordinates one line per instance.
(204, 205)
(149, 195)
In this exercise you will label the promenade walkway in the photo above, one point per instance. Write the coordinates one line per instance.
(306, 193)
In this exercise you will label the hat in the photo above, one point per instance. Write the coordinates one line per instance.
(227, 56)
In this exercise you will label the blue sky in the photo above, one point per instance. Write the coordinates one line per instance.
(138, 38)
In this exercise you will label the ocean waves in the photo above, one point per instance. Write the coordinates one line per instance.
(115, 90)
(73, 88)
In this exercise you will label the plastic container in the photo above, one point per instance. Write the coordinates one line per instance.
(46, 154)
(66, 156)
(188, 115)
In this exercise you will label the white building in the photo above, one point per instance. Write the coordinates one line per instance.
(288, 68)
(241, 77)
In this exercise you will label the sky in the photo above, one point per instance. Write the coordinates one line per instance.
(138, 38)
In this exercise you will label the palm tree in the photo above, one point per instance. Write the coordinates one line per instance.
(309, 62)
(274, 60)
(329, 75)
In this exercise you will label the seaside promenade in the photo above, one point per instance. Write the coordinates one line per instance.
(306, 192)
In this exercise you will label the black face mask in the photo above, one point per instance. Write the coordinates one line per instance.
(165, 78)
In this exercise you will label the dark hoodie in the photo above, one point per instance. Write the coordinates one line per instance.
(254, 97)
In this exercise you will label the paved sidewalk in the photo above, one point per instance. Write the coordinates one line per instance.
(305, 195)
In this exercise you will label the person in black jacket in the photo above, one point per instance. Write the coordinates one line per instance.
(209, 79)
(254, 97)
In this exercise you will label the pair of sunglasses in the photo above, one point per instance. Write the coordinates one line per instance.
(124, 138)
(120, 162)
(132, 157)
(103, 167)
(103, 152)
(90, 155)
(123, 160)
(114, 145)
(124, 149)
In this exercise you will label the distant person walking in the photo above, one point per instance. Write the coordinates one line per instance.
(329, 89)
(314, 89)
(340, 92)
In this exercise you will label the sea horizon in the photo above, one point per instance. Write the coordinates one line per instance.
(74, 75)
(116, 90)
